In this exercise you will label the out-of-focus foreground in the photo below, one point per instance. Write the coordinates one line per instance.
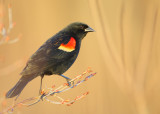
(124, 51)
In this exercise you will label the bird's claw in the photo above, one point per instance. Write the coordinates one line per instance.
(70, 83)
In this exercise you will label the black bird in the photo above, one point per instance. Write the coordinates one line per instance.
(55, 56)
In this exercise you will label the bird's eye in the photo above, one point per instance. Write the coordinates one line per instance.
(82, 27)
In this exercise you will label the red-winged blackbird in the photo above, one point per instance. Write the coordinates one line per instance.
(55, 56)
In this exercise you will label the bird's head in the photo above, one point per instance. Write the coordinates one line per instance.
(79, 29)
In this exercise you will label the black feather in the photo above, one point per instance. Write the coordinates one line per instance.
(48, 59)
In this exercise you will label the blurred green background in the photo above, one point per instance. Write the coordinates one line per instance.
(124, 51)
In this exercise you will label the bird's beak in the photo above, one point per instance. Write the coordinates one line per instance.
(89, 29)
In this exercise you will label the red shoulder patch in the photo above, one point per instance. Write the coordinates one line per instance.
(70, 46)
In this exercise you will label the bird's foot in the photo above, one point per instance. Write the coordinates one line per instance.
(70, 83)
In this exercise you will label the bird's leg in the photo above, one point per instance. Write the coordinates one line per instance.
(68, 80)
(17, 96)
(40, 90)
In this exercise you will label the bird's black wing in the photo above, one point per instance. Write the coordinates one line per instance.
(47, 55)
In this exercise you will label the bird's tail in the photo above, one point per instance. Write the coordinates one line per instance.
(16, 90)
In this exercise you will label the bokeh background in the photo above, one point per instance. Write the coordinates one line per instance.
(124, 51)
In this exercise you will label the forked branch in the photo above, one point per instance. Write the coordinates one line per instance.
(54, 92)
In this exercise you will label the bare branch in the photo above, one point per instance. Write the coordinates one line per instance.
(51, 92)
(5, 32)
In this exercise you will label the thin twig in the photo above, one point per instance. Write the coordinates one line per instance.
(51, 92)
